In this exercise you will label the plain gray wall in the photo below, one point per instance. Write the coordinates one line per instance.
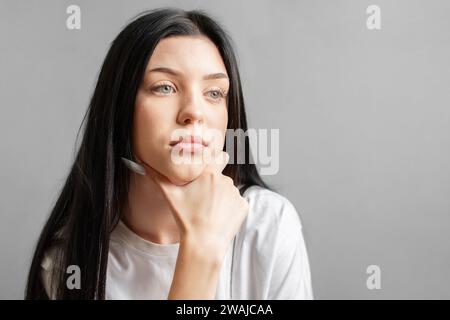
(364, 119)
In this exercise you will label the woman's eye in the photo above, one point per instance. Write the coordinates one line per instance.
(165, 89)
(216, 94)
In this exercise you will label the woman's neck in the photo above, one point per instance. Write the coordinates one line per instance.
(148, 213)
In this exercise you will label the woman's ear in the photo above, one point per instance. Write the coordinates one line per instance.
(133, 166)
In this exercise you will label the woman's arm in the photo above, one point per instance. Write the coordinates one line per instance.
(196, 272)
(209, 212)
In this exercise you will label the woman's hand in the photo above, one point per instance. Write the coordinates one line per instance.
(208, 210)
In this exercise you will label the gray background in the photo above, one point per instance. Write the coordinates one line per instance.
(364, 123)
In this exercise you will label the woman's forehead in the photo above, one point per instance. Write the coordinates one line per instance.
(188, 55)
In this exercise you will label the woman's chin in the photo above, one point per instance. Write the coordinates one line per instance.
(185, 174)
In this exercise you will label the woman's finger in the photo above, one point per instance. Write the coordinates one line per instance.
(218, 162)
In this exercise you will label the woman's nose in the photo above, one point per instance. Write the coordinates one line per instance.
(191, 110)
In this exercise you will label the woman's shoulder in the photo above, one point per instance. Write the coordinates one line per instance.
(270, 253)
(48, 269)
(270, 206)
(271, 216)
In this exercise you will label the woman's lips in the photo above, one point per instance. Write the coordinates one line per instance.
(189, 146)
(190, 143)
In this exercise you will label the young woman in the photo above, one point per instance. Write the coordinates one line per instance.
(138, 225)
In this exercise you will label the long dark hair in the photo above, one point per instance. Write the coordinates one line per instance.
(96, 189)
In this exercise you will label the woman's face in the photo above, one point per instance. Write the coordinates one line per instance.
(183, 93)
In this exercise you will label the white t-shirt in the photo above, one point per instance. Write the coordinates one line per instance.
(267, 260)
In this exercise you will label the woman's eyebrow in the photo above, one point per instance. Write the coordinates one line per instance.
(211, 76)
